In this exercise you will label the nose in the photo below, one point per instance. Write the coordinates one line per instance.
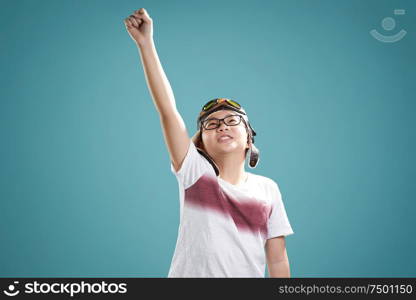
(221, 127)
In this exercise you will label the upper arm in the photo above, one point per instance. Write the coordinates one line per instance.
(176, 137)
(276, 250)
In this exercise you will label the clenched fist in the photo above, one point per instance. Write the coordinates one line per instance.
(140, 26)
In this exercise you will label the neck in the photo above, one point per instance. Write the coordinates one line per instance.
(231, 168)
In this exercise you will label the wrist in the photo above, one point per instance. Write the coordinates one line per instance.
(145, 43)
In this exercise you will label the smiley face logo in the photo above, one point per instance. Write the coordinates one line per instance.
(388, 24)
(11, 289)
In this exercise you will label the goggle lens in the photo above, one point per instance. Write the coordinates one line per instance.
(215, 101)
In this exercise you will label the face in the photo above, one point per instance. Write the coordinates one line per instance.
(211, 138)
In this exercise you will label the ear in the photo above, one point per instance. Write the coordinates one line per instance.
(248, 141)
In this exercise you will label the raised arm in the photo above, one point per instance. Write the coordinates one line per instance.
(140, 27)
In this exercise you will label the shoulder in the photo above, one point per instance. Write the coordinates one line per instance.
(265, 181)
(262, 178)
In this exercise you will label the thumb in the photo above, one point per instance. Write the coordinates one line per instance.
(143, 13)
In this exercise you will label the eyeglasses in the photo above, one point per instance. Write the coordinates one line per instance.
(214, 123)
(213, 102)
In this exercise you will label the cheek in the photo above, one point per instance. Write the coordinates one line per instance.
(207, 138)
(242, 135)
(242, 132)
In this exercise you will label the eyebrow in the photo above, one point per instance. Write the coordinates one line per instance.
(217, 118)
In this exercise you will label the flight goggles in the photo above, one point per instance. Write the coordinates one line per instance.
(213, 102)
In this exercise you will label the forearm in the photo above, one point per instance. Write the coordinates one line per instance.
(279, 269)
(157, 81)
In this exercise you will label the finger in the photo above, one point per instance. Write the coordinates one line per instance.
(137, 18)
(128, 23)
(134, 21)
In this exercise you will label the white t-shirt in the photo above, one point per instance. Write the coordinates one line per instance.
(224, 227)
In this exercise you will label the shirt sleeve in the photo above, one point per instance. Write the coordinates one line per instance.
(278, 223)
(193, 167)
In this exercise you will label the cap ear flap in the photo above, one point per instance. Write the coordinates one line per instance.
(252, 153)
(254, 156)
(250, 138)
(197, 140)
(195, 137)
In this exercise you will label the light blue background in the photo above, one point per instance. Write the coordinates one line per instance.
(86, 186)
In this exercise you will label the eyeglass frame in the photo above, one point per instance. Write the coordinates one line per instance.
(223, 120)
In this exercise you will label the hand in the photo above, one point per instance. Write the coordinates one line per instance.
(140, 26)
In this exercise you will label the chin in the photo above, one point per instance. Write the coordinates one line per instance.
(227, 148)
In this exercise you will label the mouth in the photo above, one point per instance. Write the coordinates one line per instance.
(224, 138)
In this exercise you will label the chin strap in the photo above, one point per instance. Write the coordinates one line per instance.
(210, 160)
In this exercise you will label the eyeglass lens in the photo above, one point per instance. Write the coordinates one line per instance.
(229, 121)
